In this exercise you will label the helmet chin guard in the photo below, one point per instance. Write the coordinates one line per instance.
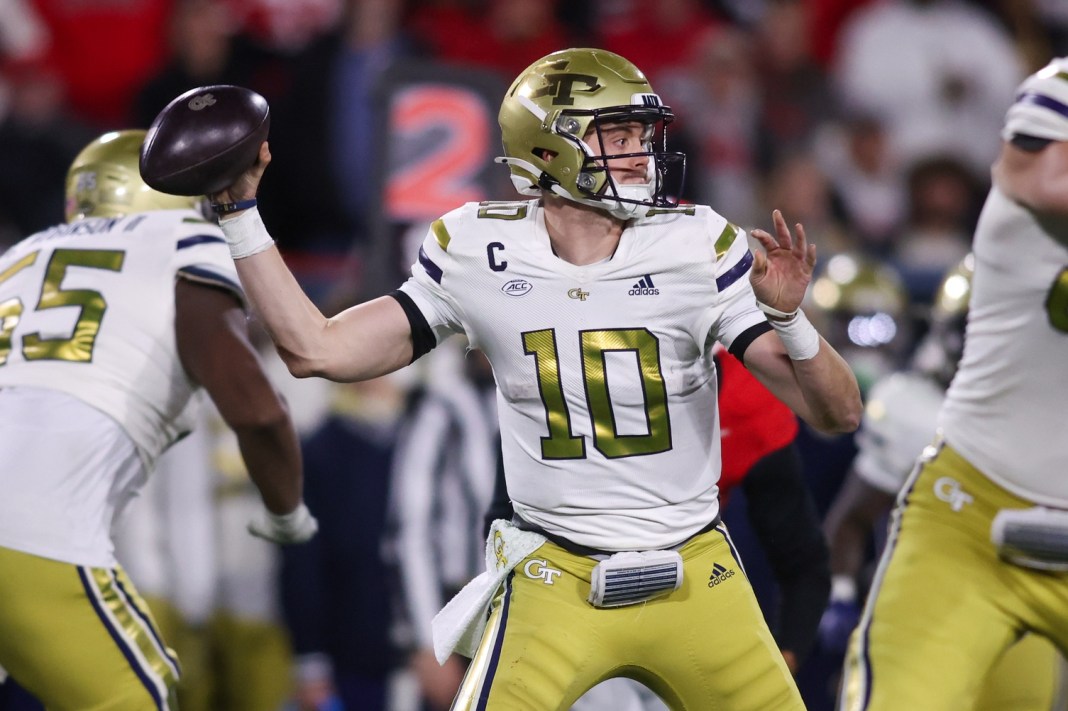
(563, 98)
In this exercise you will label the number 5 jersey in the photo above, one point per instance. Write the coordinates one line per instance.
(91, 386)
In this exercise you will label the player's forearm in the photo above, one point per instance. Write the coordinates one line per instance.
(271, 452)
(294, 323)
(832, 402)
(849, 522)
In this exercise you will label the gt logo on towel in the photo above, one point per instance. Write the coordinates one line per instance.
(538, 569)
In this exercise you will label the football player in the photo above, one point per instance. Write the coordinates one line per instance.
(108, 325)
(597, 301)
(900, 420)
(977, 552)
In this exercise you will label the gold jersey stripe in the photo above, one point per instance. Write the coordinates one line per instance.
(18, 266)
(725, 240)
(133, 628)
(441, 234)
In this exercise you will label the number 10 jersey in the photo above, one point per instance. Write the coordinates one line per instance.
(606, 387)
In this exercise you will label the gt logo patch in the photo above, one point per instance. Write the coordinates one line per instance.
(539, 569)
(578, 294)
(561, 86)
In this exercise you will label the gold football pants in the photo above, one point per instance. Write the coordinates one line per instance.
(704, 646)
(79, 638)
(945, 613)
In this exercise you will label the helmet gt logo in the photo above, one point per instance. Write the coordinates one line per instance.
(561, 86)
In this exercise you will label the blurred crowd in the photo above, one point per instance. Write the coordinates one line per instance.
(872, 122)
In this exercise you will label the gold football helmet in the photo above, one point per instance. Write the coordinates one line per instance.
(940, 350)
(862, 308)
(104, 180)
(556, 102)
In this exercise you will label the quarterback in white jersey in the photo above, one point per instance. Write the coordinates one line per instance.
(108, 325)
(978, 551)
(597, 305)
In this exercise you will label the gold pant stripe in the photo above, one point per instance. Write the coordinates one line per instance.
(473, 689)
(124, 627)
(142, 610)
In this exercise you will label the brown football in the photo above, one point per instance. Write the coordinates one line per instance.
(204, 139)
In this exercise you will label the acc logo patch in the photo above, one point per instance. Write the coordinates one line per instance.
(517, 287)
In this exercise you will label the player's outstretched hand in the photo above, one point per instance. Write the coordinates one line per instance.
(297, 526)
(783, 269)
(246, 185)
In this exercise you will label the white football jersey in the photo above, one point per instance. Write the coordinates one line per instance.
(1005, 408)
(606, 388)
(900, 420)
(87, 312)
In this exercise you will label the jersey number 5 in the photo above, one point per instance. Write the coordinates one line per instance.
(562, 443)
(79, 346)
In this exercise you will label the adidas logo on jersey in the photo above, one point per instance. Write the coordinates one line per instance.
(719, 575)
(644, 287)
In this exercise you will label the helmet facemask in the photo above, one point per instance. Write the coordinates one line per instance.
(665, 172)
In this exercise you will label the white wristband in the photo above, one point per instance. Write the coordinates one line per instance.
(246, 234)
(800, 337)
(843, 588)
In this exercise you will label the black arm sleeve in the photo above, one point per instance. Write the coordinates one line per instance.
(423, 338)
(783, 516)
(741, 343)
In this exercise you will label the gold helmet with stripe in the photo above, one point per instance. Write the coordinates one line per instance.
(104, 180)
(566, 97)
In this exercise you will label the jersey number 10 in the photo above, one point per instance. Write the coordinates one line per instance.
(562, 443)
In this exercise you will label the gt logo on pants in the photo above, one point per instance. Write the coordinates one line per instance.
(537, 569)
(948, 489)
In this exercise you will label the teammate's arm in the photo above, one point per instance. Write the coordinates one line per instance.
(848, 526)
(215, 350)
(819, 387)
(360, 343)
(1038, 180)
(850, 520)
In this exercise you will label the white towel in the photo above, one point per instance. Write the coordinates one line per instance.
(460, 624)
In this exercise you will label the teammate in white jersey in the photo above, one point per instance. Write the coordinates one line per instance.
(108, 325)
(597, 302)
(900, 420)
(977, 554)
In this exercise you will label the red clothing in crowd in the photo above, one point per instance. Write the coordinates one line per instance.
(753, 422)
